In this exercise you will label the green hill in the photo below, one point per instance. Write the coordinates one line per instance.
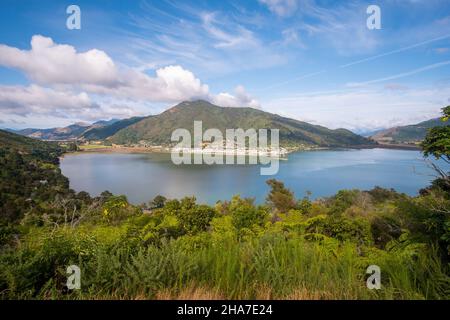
(157, 130)
(71, 132)
(102, 133)
(407, 134)
(30, 179)
(47, 151)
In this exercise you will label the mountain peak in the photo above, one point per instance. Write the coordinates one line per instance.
(157, 130)
(190, 104)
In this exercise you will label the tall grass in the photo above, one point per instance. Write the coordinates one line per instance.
(270, 267)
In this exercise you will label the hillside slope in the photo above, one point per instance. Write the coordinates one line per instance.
(29, 146)
(101, 133)
(158, 129)
(410, 134)
(71, 132)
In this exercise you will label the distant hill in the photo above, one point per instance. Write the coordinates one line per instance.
(158, 129)
(101, 133)
(410, 134)
(103, 123)
(24, 145)
(72, 132)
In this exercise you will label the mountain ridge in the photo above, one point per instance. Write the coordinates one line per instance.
(157, 129)
(409, 134)
(70, 132)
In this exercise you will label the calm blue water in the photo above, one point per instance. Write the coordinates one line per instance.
(143, 176)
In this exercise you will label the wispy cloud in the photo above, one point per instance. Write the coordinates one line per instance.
(282, 8)
(364, 109)
(416, 45)
(401, 75)
(211, 42)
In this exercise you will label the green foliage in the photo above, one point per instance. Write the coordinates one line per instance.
(267, 266)
(446, 113)
(355, 230)
(117, 208)
(246, 218)
(381, 195)
(279, 197)
(428, 219)
(193, 218)
(385, 229)
(342, 201)
(7, 234)
(29, 182)
(158, 202)
(72, 147)
(437, 141)
(304, 205)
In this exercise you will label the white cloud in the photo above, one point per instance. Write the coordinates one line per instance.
(35, 100)
(239, 99)
(61, 65)
(171, 84)
(69, 75)
(50, 63)
(281, 8)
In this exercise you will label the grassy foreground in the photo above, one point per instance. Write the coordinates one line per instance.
(233, 251)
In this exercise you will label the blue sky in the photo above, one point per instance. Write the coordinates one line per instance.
(311, 60)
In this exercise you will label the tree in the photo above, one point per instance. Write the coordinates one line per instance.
(437, 144)
(158, 202)
(245, 214)
(72, 147)
(432, 214)
(437, 141)
(279, 197)
(115, 208)
(193, 218)
(105, 195)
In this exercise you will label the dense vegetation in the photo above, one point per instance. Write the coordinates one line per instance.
(287, 248)
(158, 129)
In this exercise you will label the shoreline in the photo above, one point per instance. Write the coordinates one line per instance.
(398, 147)
(165, 150)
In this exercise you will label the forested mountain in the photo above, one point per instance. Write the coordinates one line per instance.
(158, 129)
(407, 134)
(101, 133)
(30, 177)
